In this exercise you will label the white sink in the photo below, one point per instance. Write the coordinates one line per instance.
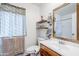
(63, 49)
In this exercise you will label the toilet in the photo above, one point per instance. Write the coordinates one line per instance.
(34, 50)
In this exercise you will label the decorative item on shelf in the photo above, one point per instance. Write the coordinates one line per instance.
(49, 31)
(42, 24)
(42, 20)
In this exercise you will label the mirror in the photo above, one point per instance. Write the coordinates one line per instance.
(65, 22)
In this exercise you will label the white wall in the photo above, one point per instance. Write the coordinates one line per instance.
(32, 16)
(47, 8)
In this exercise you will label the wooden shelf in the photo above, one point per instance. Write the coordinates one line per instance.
(42, 27)
(43, 21)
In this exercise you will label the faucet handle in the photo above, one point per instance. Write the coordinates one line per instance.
(61, 42)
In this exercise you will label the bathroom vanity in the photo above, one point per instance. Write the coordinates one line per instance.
(45, 51)
(55, 48)
(65, 40)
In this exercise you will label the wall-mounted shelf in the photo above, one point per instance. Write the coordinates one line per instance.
(42, 27)
(42, 21)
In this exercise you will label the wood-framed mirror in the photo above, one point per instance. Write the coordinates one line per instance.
(66, 22)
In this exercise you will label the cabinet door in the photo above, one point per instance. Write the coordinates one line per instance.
(44, 51)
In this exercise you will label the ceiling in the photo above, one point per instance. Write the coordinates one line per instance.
(38, 4)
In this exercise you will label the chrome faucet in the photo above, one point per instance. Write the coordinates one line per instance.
(61, 42)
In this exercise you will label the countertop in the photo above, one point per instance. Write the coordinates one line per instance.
(67, 49)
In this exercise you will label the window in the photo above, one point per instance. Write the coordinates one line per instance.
(11, 20)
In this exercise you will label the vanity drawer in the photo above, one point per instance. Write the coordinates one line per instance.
(45, 51)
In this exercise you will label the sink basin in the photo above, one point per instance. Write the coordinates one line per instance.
(66, 49)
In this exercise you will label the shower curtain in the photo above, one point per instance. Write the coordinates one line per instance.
(12, 20)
